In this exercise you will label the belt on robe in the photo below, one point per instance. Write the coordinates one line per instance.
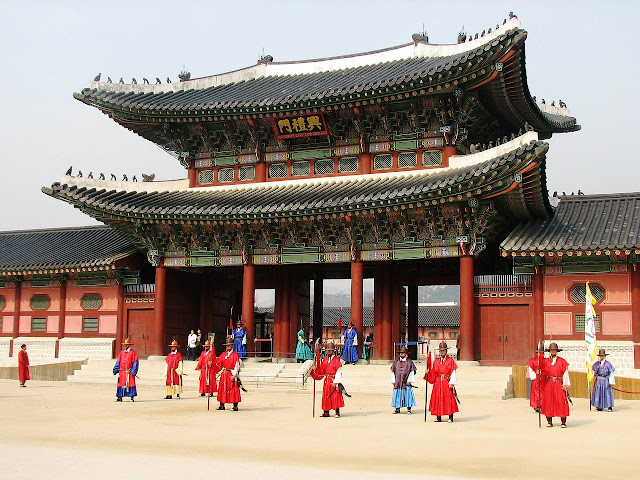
(598, 375)
(554, 378)
(442, 375)
(330, 376)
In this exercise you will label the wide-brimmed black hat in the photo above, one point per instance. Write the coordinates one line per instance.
(553, 346)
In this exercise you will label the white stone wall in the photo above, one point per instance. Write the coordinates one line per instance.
(81, 348)
(620, 354)
(5, 344)
(39, 349)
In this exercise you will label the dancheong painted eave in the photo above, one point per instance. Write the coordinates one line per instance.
(581, 224)
(493, 64)
(491, 178)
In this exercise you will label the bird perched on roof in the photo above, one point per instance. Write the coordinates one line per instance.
(97, 78)
(148, 178)
(79, 174)
(144, 80)
(69, 171)
(124, 178)
(109, 80)
(158, 81)
(133, 81)
(90, 175)
(121, 80)
(113, 178)
(101, 176)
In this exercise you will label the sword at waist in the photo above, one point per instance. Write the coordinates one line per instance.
(558, 379)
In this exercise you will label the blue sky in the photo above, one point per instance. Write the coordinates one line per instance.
(582, 52)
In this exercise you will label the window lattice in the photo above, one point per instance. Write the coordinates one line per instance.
(382, 162)
(2, 302)
(89, 324)
(579, 292)
(225, 175)
(91, 301)
(323, 167)
(407, 160)
(246, 173)
(38, 324)
(454, 334)
(40, 302)
(205, 177)
(579, 323)
(431, 158)
(434, 334)
(348, 164)
(277, 170)
(299, 169)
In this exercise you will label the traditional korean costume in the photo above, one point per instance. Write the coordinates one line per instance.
(403, 372)
(443, 376)
(329, 369)
(228, 389)
(23, 367)
(173, 374)
(602, 396)
(240, 342)
(208, 369)
(126, 368)
(555, 403)
(349, 350)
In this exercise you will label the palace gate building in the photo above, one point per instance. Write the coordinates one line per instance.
(415, 165)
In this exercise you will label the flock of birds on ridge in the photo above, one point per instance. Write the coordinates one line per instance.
(145, 177)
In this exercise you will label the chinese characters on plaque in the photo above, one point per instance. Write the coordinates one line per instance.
(299, 126)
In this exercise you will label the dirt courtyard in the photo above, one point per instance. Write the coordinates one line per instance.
(57, 430)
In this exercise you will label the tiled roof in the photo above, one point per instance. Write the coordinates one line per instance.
(314, 196)
(582, 222)
(28, 250)
(428, 316)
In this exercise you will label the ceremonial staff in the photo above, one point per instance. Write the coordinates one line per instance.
(539, 377)
(426, 383)
(315, 364)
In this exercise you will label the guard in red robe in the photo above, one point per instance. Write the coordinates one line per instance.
(555, 399)
(443, 377)
(173, 372)
(329, 369)
(534, 373)
(23, 365)
(208, 369)
(229, 389)
(126, 368)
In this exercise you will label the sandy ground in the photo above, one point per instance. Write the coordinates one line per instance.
(57, 430)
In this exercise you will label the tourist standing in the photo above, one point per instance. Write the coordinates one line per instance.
(199, 343)
(303, 351)
(443, 377)
(602, 396)
(126, 368)
(23, 365)
(208, 369)
(173, 371)
(555, 398)
(403, 373)
(229, 389)
(350, 343)
(329, 369)
(192, 339)
(240, 341)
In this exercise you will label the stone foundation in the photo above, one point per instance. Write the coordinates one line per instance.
(620, 354)
(39, 349)
(81, 348)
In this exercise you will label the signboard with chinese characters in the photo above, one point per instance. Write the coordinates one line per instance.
(307, 125)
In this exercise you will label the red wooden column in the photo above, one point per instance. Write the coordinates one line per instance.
(635, 315)
(294, 321)
(157, 344)
(467, 320)
(120, 323)
(16, 312)
(412, 319)
(284, 313)
(357, 277)
(538, 308)
(318, 307)
(447, 152)
(385, 343)
(277, 320)
(192, 175)
(61, 314)
(248, 303)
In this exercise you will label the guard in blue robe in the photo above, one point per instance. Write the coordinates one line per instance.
(240, 341)
(350, 342)
(403, 373)
(602, 396)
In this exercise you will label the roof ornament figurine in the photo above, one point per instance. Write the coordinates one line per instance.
(144, 80)
(101, 177)
(562, 104)
(97, 78)
(113, 177)
(462, 36)
(158, 82)
(168, 80)
(69, 171)
(133, 81)
(134, 179)
(422, 37)
(79, 174)
(148, 178)
(124, 177)
(90, 175)
(265, 59)
(109, 80)
(184, 75)
(512, 15)
(527, 127)
(121, 80)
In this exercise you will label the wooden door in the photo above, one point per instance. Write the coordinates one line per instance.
(490, 321)
(516, 332)
(140, 324)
